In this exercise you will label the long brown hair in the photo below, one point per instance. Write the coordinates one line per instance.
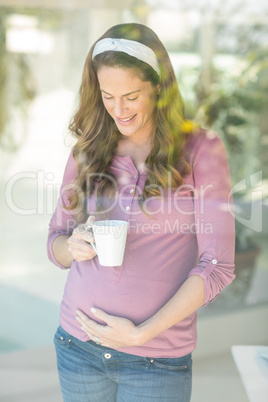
(96, 132)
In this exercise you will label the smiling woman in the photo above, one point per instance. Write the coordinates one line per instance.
(136, 160)
(132, 111)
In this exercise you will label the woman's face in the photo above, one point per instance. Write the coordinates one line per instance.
(129, 100)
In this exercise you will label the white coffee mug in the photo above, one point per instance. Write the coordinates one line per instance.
(110, 241)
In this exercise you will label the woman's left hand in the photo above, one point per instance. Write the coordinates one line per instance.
(119, 332)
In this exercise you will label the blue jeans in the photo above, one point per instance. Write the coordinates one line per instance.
(93, 373)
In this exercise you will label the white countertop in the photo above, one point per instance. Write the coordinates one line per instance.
(252, 364)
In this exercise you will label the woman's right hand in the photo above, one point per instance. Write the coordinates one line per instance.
(79, 242)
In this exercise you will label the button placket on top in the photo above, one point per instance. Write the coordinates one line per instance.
(131, 193)
(127, 167)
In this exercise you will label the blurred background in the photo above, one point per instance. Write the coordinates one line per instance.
(219, 51)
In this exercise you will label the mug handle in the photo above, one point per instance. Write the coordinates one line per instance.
(89, 229)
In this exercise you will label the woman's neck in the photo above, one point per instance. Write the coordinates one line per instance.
(136, 149)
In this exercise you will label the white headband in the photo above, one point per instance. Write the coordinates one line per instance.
(131, 47)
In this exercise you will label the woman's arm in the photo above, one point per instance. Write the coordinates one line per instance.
(77, 247)
(62, 222)
(66, 242)
(60, 250)
(186, 301)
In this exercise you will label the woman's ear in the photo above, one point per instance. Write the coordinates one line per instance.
(158, 88)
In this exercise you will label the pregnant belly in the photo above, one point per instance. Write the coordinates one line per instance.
(135, 298)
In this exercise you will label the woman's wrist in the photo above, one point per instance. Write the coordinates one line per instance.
(142, 333)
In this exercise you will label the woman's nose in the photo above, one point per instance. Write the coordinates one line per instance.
(119, 108)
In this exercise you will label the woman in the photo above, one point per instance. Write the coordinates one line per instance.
(127, 333)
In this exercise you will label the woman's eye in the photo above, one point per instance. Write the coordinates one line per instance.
(106, 97)
(132, 99)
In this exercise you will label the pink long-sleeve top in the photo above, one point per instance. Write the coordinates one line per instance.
(188, 231)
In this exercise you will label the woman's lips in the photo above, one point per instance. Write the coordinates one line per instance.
(126, 120)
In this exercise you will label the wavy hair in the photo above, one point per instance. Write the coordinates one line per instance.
(97, 134)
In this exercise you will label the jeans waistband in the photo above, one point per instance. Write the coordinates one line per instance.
(100, 351)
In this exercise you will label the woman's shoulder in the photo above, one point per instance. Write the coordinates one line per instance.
(201, 140)
(200, 136)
